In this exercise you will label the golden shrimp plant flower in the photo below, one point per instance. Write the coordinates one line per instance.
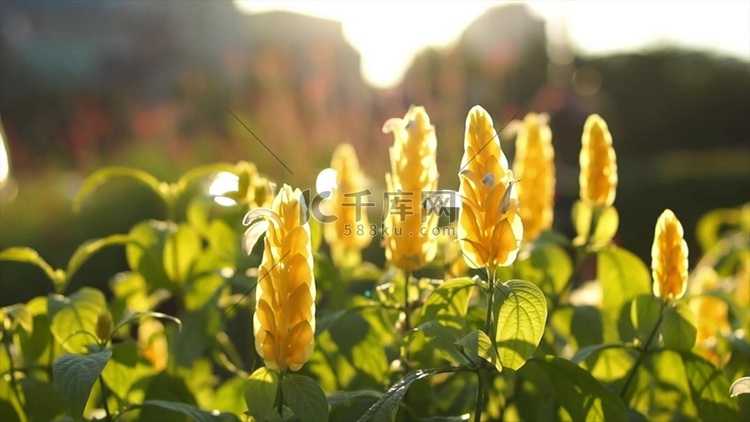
(349, 182)
(489, 227)
(598, 176)
(534, 164)
(409, 240)
(284, 321)
(669, 258)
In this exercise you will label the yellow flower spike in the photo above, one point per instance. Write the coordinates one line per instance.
(711, 313)
(409, 241)
(349, 180)
(284, 322)
(534, 165)
(669, 258)
(598, 177)
(489, 227)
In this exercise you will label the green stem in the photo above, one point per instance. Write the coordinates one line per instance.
(281, 396)
(489, 330)
(481, 379)
(104, 398)
(638, 362)
(407, 323)
(12, 370)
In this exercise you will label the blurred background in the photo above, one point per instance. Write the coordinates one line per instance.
(87, 84)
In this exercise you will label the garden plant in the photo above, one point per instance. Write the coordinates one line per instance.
(250, 299)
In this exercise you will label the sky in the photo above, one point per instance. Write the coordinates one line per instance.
(389, 33)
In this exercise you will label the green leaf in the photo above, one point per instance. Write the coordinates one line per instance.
(18, 313)
(740, 386)
(194, 413)
(708, 388)
(478, 345)
(180, 251)
(120, 370)
(582, 396)
(588, 351)
(305, 397)
(644, 314)
(548, 267)
(74, 318)
(43, 401)
(678, 329)
(74, 376)
(260, 393)
(448, 303)
(199, 173)
(137, 315)
(521, 314)
(433, 336)
(30, 256)
(85, 251)
(606, 226)
(146, 254)
(100, 177)
(623, 276)
(384, 409)
(341, 397)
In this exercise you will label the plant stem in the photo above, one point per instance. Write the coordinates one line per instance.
(12, 370)
(407, 323)
(281, 396)
(104, 398)
(481, 379)
(488, 329)
(638, 362)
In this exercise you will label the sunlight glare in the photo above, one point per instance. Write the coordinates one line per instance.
(222, 184)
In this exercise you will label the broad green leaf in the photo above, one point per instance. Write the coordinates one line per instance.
(521, 314)
(194, 413)
(588, 351)
(606, 226)
(18, 314)
(101, 176)
(182, 248)
(680, 385)
(74, 318)
(43, 401)
(137, 315)
(229, 396)
(623, 276)
(708, 388)
(581, 215)
(644, 315)
(384, 409)
(678, 329)
(433, 336)
(448, 303)
(576, 391)
(305, 397)
(36, 343)
(548, 267)
(260, 393)
(30, 256)
(344, 396)
(119, 372)
(146, 255)
(199, 173)
(740, 386)
(85, 251)
(478, 345)
(708, 227)
(74, 376)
